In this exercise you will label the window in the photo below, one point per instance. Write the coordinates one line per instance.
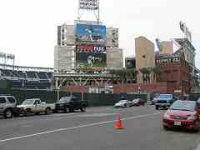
(11, 100)
(2, 100)
(37, 102)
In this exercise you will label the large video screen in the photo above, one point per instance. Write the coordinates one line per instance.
(95, 61)
(86, 33)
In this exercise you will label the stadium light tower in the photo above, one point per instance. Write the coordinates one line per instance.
(89, 6)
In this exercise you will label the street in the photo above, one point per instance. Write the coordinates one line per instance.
(94, 130)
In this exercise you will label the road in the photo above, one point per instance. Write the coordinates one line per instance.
(94, 130)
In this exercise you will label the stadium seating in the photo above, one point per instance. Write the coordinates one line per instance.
(28, 79)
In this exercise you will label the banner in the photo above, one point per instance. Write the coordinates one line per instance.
(91, 48)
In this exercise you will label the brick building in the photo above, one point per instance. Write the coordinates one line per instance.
(176, 71)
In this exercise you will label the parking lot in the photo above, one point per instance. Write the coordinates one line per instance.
(94, 130)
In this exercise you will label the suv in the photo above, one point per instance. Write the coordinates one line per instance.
(71, 103)
(7, 106)
(164, 101)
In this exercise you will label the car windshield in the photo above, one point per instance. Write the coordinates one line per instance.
(183, 105)
(136, 100)
(28, 102)
(165, 96)
(123, 101)
(64, 99)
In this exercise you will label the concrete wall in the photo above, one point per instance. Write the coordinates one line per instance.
(64, 58)
(114, 58)
(66, 35)
(112, 37)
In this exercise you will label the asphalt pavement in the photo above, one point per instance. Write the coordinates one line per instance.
(94, 130)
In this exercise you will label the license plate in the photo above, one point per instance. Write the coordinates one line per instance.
(177, 123)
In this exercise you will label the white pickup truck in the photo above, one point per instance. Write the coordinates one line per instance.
(36, 106)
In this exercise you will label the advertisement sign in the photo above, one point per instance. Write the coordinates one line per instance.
(91, 48)
(88, 4)
(86, 33)
(91, 60)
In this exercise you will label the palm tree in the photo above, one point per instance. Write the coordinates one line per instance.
(145, 75)
(156, 73)
(131, 75)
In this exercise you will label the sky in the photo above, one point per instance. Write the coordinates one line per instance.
(28, 28)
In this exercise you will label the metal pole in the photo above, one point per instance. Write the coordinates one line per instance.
(58, 89)
(81, 96)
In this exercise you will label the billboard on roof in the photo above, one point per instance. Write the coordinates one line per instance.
(88, 4)
(88, 33)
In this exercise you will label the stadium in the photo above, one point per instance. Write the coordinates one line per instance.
(87, 58)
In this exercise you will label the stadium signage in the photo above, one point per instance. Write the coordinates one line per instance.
(91, 34)
(88, 4)
(91, 48)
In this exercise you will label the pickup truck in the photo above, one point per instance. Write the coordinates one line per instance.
(70, 103)
(8, 105)
(164, 101)
(36, 106)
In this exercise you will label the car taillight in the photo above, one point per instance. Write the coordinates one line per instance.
(192, 117)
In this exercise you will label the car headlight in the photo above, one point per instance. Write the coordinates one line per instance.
(192, 117)
(166, 116)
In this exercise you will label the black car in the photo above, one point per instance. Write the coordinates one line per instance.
(70, 103)
(138, 102)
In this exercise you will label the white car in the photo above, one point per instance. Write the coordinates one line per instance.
(123, 103)
(35, 105)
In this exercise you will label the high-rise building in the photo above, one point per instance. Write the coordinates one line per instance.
(166, 47)
(145, 55)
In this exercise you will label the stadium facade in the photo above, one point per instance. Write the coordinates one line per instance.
(78, 47)
(84, 53)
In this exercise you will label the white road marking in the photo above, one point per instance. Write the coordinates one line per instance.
(76, 127)
(98, 115)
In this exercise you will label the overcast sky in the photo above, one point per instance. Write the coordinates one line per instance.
(28, 27)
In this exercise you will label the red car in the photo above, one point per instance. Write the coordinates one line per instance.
(184, 114)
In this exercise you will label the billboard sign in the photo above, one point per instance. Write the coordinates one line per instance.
(86, 33)
(88, 4)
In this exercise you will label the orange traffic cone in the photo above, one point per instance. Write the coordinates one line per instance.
(119, 123)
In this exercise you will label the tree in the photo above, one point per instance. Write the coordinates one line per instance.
(156, 73)
(145, 74)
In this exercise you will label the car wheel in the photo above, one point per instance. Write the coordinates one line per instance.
(47, 111)
(71, 110)
(83, 109)
(157, 107)
(8, 114)
(66, 109)
(165, 127)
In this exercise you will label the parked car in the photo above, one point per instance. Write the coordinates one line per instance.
(164, 101)
(154, 99)
(184, 114)
(70, 103)
(138, 102)
(36, 106)
(7, 106)
(123, 104)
